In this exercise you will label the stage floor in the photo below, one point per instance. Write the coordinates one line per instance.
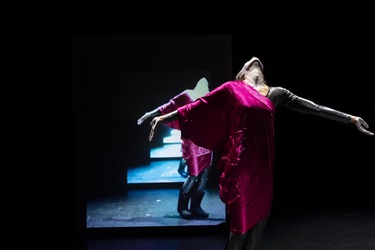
(150, 207)
(352, 229)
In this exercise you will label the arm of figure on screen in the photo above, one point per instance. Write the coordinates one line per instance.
(161, 120)
(147, 115)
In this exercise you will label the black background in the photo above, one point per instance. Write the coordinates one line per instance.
(116, 80)
(321, 51)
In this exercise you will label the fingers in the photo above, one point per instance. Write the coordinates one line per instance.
(142, 119)
(363, 126)
(151, 135)
(366, 132)
(153, 125)
(363, 123)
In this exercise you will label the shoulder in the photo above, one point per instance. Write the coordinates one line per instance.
(226, 87)
(229, 84)
(274, 91)
(280, 96)
(278, 89)
(222, 94)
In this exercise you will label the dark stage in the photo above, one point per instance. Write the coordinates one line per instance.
(323, 229)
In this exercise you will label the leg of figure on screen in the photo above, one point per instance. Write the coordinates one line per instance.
(181, 168)
(197, 195)
(184, 197)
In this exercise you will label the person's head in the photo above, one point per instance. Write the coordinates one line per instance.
(252, 70)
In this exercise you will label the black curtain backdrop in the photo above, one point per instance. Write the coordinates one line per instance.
(320, 51)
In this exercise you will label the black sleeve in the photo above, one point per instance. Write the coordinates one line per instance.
(282, 97)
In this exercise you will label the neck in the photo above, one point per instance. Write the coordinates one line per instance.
(261, 88)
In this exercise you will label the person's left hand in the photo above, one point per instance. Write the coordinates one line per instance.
(361, 125)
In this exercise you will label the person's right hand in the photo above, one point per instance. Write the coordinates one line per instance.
(154, 125)
(143, 118)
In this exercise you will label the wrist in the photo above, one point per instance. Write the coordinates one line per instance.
(168, 117)
(353, 119)
(153, 113)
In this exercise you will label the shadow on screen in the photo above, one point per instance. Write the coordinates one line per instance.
(124, 181)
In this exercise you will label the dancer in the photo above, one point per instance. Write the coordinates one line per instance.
(236, 119)
(197, 159)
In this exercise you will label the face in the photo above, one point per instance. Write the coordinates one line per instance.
(253, 73)
(253, 65)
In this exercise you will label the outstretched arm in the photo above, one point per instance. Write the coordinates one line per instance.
(305, 106)
(147, 115)
(161, 120)
(282, 97)
(177, 101)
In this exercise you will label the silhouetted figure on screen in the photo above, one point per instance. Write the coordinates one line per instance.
(195, 158)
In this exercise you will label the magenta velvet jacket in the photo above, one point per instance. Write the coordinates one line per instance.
(197, 158)
(238, 122)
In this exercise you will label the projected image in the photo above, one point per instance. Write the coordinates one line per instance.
(173, 151)
(167, 164)
(120, 84)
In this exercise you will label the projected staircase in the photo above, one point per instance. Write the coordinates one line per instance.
(164, 162)
(171, 148)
